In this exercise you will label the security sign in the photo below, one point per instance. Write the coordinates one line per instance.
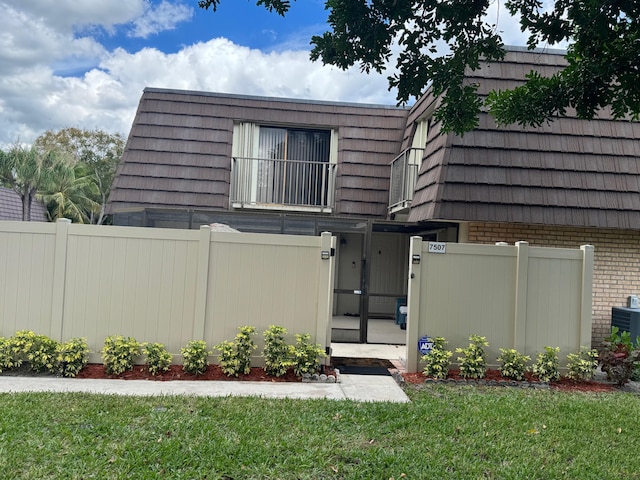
(425, 345)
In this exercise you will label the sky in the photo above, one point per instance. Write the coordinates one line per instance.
(85, 63)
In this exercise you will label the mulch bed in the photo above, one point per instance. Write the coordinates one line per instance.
(564, 384)
(213, 372)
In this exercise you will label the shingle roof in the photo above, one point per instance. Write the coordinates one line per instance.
(571, 172)
(178, 154)
(11, 207)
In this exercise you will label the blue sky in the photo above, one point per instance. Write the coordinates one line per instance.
(85, 63)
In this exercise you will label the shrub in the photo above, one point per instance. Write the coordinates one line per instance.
(618, 358)
(546, 366)
(277, 354)
(118, 353)
(582, 365)
(72, 356)
(306, 356)
(513, 364)
(437, 361)
(473, 363)
(6, 355)
(38, 350)
(195, 357)
(235, 357)
(158, 359)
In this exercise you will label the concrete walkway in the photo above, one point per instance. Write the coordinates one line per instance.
(361, 388)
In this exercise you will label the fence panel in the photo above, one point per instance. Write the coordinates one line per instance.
(26, 277)
(262, 280)
(468, 290)
(553, 299)
(131, 281)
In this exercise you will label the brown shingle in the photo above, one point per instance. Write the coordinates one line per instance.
(180, 143)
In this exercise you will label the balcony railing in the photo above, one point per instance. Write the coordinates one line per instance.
(285, 184)
(404, 173)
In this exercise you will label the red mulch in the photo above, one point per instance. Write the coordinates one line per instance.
(564, 384)
(213, 372)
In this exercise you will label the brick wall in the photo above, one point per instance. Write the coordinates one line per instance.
(616, 260)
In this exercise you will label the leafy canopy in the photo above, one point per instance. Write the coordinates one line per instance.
(603, 54)
(71, 170)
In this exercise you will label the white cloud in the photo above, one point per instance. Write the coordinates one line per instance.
(42, 43)
(165, 17)
(106, 97)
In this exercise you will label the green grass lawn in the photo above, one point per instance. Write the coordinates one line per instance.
(446, 432)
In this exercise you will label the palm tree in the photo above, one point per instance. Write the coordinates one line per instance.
(26, 170)
(70, 192)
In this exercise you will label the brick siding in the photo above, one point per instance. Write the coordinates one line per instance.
(616, 272)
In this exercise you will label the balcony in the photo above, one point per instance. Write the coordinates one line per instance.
(277, 184)
(404, 173)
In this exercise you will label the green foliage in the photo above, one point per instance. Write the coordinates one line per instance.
(513, 364)
(158, 358)
(438, 40)
(26, 170)
(39, 351)
(306, 356)
(437, 361)
(235, 357)
(582, 365)
(68, 193)
(195, 357)
(228, 358)
(277, 354)
(118, 353)
(80, 189)
(5, 354)
(546, 366)
(473, 362)
(618, 357)
(72, 356)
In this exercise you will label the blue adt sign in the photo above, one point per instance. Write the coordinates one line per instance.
(425, 345)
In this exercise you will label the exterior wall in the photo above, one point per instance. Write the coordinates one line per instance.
(616, 272)
(518, 297)
(158, 285)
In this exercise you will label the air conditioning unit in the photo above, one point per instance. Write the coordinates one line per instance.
(627, 320)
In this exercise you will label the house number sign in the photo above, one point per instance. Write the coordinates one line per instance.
(437, 247)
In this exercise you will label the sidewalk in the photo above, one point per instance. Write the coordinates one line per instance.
(361, 388)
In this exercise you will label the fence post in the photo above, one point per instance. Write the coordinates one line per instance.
(202, 278)
(59, 278)
(325, 291)
(413, 303)
(586, 307)
(520, 315)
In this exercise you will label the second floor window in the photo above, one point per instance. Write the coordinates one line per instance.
(283, 166)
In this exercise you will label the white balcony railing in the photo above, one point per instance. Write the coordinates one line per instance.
(404, 173)
(288, 184)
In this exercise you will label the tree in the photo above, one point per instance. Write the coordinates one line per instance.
(26, 170)
(69, 192)
(98, 151)
(603, 54)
